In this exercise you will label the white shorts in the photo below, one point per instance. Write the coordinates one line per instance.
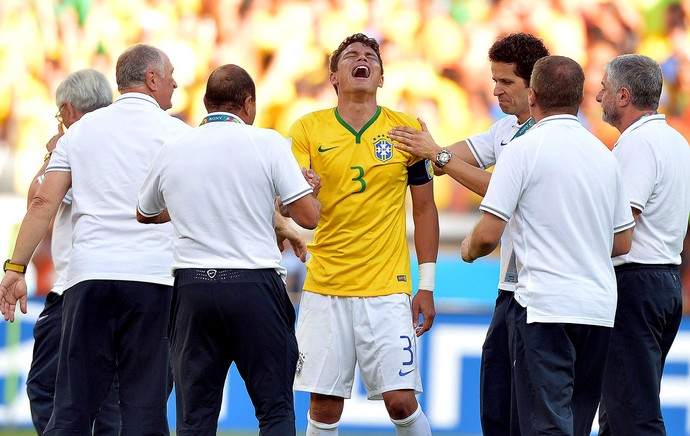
(334, 333)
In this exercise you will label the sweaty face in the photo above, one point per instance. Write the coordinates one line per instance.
(166, 85)
(607, 99)
(358, 69)
(510, 90)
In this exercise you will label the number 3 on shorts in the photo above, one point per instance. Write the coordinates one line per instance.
(408, 348)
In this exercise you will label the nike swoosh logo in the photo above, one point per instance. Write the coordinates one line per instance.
(403, 374)
(40, 318)
(321, 149)
(503, 143)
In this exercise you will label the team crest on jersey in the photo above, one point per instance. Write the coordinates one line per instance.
(383, 148)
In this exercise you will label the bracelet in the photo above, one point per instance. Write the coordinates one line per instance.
(427, 276)
(9, 266)
(47, 156)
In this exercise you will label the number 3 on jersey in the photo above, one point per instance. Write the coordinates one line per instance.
(359, 178)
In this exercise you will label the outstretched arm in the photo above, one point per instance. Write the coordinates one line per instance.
(483, 239)
(462, 167)
(43, 207)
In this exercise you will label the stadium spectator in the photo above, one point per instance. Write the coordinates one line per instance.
(80, 93)
(512, 59)
(564, 303)
(356, 305)
(230, 303)
(118, 287)
(654, 159)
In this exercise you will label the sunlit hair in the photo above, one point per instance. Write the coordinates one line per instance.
(132, 65)
(558, 83)
(86, 90)
(357, 37)
(638, 74)
(521, 49)
(227, 88)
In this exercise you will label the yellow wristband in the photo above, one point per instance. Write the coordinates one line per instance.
(9, 266)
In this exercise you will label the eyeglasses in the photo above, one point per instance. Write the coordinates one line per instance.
(58, 115)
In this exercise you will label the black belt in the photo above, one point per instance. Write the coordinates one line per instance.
(210, 274)
(633, 265)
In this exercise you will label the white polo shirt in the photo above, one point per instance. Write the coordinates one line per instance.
(108, 153)
(61, 243)
(564, 190)
(219, 183)
(655, 161)
(486, 148)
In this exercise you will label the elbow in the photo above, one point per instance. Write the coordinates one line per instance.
(311, 224)
(307, 222)
(306, 212)
(312, 219)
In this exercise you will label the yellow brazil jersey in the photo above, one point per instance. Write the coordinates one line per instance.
(360, 245)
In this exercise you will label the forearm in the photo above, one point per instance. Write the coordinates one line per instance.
(426, 234)
(484, 237)
(473, 178)
(32, 230)
(478, 247)
(283, 229)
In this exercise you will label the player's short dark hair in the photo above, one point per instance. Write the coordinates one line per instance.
(521, 49)
(558, 83)
(357, 37)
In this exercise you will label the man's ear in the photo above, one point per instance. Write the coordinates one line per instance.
(623, 97)
(532, 97)
(70, 114)
(151, 80)
(247, 105)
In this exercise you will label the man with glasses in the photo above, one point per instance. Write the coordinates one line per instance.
(80, 93)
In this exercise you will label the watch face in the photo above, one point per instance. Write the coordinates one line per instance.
(443, 157)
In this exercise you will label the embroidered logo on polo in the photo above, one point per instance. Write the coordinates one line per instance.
(383, 148)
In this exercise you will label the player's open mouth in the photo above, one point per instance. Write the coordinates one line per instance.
(361, 71)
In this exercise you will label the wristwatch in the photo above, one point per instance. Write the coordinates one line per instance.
(443, 157)
(9, 266)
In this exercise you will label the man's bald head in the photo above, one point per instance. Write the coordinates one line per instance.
(228, 88)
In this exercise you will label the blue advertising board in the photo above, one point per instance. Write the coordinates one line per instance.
(449, 356)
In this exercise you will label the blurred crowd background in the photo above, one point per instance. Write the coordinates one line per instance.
(434, 52)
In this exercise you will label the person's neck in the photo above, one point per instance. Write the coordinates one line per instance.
(523, 116)
(138, 89)
(538, 114)
(629, 117)
(357, 112)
